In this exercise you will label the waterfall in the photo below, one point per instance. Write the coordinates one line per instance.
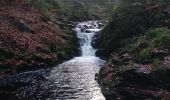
(85, 32)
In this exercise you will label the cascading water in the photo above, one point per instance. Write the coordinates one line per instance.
(71, 80)
(85, 32)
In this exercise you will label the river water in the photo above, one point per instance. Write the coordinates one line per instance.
(71, 80)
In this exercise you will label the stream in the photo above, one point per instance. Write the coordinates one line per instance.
(71, 80)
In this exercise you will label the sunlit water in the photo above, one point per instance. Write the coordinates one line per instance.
(75, 79)
(72, 80)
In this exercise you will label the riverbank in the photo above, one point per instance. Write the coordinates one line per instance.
(136, 44)
(29, 41)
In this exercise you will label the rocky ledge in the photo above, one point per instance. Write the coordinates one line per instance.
(123, 79)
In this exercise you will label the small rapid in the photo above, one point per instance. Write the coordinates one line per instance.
(71, 80)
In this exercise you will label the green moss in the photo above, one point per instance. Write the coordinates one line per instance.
(144, 55)
(132, 46)
(159, 37)
(157, 32)
(156, 63)
(153, 39)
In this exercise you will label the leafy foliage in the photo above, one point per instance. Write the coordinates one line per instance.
(133, 18)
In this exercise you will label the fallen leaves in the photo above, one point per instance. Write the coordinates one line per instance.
(25, 42)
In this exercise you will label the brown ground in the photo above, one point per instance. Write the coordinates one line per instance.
(26, 47)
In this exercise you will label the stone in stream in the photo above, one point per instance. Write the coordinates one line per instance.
(83, 29)
(85, 26)
(100, 25)
(88, 31)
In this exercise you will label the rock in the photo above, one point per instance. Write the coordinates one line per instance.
(70, 26)
(134, 84)
(83, 29)
(160, 75)
(126, 57)
(158, 53)
(115, 59)
(87, 31)
(74, 24)
(167, 10)
(91, 27)
(100, 25)
(166, 61)
(79, 26)
(40, 77)
(142, 45)
(85, 26)
(103, 54)
(22, 26)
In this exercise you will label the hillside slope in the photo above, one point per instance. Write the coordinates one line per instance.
(80, 10)
(28, 40)
(137, 41)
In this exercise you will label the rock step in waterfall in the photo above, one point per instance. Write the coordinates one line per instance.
(85, 32)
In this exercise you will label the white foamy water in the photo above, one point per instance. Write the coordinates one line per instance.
(85, 31)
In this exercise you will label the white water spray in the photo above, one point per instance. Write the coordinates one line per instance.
(85, 32)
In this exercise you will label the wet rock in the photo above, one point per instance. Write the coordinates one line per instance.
(40, 77)
(91, 27)
(83, 29)
(71, 26)
(79, 26)
(100, 25)
(87, 31)
(103, 54)
(85, 26)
